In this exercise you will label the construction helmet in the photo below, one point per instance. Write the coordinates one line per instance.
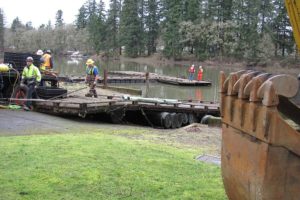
(90, 62)
(39, 52)
(29, 59)
(48, 51)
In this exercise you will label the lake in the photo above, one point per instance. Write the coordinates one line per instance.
(67, 67)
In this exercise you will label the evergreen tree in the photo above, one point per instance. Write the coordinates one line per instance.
(59, 18)
(49, 25)
(173, 11)
(130, 28)
(1, 30)
(16, 24)
(113, 25)
(152, 25)
(284, 40)
(81, 21)
(97, 29)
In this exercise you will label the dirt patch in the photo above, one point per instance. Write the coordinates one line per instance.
(196, 136)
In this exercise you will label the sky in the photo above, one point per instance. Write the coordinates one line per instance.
(40, 12)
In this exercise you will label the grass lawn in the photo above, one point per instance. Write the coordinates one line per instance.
(101, 165)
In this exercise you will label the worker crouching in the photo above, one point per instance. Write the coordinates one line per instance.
(31, 77)
(92, 76)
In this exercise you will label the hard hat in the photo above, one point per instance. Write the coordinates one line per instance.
(193, 65)
(48, 51)
(90, 62)
(29, 59)
(39, 52)
(200, 67)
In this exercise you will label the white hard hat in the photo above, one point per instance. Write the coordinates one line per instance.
(39, 52)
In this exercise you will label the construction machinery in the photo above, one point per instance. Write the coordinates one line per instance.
(11, 75)
(261, 131)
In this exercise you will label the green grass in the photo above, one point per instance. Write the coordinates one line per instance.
(102, 166)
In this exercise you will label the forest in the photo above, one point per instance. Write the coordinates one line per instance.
(251, 30)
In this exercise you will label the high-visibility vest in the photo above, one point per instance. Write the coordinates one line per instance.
(31, 72)
(90, 70)
(47, 63)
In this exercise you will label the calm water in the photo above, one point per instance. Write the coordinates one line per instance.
(208, 93)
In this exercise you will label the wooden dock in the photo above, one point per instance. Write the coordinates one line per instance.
(139, 77)
(155, 112)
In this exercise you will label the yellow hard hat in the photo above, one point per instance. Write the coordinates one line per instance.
(90, 62)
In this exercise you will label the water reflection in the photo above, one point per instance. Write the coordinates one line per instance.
(77, 68)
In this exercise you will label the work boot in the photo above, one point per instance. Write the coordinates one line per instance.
(26, 108)
(89, 95)
(95, 95)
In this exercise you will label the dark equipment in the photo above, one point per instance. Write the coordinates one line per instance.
(11, 79)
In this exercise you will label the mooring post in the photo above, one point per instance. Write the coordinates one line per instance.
(147, 83)
(105, 79)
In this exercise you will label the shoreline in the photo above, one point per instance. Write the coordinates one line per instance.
(159, 61)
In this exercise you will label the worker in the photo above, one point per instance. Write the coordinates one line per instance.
(200, 73)
(92, 76)
(191, 72)
(48, 62)
(31, 76)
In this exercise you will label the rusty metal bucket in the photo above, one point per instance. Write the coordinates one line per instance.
(260, 150)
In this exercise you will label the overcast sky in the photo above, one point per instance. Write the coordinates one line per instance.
(40, 12)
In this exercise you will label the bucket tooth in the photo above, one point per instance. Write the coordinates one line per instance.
(285, 85)
(249, 86)
(267, 92)
(232, 80)
(222, 79)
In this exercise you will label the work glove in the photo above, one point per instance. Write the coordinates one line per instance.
(95, 82)
(36, 86)
(22, 83)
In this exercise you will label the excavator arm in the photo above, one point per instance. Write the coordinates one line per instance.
(293, 9)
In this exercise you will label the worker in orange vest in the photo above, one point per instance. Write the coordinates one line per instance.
(47, 61)
(200, 73)
(191, 72)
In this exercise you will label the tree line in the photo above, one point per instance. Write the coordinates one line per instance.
(202, 29)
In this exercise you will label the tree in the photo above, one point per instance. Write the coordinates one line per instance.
(16, 24)
(81, 21)
(97, 29)
(130, 27)
(1, 30)
(113, 26)
(59, 18)
(152, 25)
(283, 38)
(173, 10)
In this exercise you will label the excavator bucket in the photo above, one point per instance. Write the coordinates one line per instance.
(260, 139)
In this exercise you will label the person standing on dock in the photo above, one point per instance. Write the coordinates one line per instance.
(92, 76)
(31, 76)
(200, 73)
(191, 72)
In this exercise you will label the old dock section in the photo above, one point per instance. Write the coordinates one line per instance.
(139, 77)
(165, 113)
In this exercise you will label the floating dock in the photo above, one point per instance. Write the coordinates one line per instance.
(140, 77)
(165, 113)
